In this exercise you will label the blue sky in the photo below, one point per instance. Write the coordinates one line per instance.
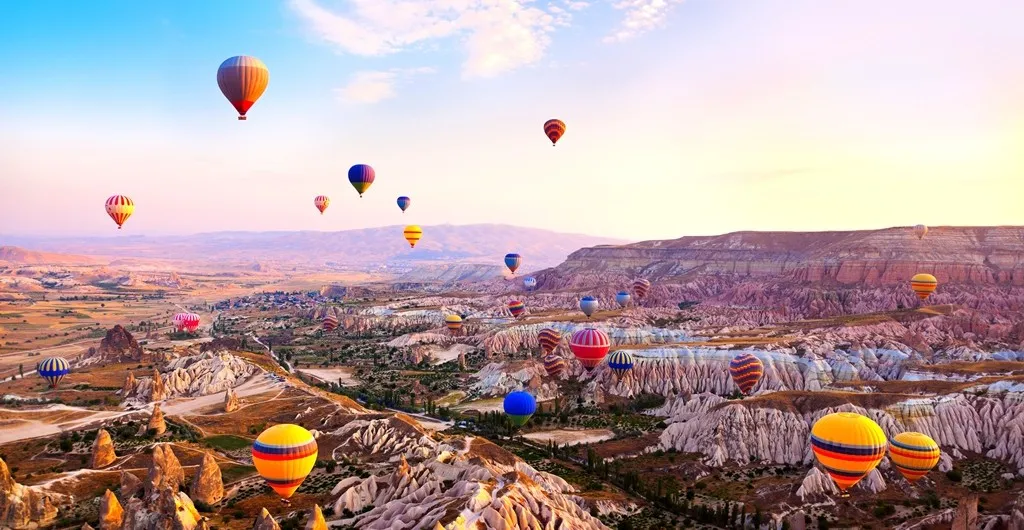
(684, 118)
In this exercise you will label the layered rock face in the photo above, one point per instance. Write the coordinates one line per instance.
(24, 506)
(207, 485)
(102, 450)
(194, 375)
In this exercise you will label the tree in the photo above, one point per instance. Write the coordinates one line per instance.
(21, 370)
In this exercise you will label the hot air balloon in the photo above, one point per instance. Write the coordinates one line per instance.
(517, 308)
(120, 208)
(914, 454)
(588, 304)
(512, 261)
(178, 320)
(242, 79)
(848, 446)
(519, 406)
(746, 371)
(923, 285)
(191, 322)
(529, 282)
(920, 231)
(413, 233)
(329, 323)
(641, 286)
(622, 298)
(549, 340)
(554, 365)
(321, 202)
(53, 369)
(404, 202)
(554, 129)
(453, 323)
(284, 455)
(620, 361)
(590, 345)
(361, 176)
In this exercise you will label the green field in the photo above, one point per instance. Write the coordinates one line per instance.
(227, 442)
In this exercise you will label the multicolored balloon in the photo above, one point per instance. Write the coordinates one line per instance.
(588, 304)
(746, 370)
(622, 298)
(554, 129)
(848, 446)
(284, 455)
(923, 285)
(920, 231)
(590, 346)
(188, 322)
(512, 261)
(554, 365)
(519, 406)
(53, 369)
(517, 308)
(453, 323)
(549, 339)
(321, 202)
(914, 454)
(361, 177)
(641, 286)
(120, 208)
(329, 323)
(242, 79)
(413, 233)
(404, 202)
(529, 282)
(620, 361)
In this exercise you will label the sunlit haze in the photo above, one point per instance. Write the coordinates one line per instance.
(683, 118)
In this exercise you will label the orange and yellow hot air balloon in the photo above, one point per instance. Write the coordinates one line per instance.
(284, 455)
(242, 79)
(453, 323)
(848, 446)
(120, 208)
(554, 129)
(413, 233)
(920, 231)
(914, 454)
(923, 285)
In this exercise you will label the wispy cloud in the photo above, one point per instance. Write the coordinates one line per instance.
(374, 86)
(640, 17)
(497, 35)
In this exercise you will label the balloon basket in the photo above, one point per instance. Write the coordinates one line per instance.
(241, 118)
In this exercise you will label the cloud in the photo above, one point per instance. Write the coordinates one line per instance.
(641, 16)
(497, 35)
(374, 86)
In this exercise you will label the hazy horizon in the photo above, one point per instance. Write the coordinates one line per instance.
(684, 118)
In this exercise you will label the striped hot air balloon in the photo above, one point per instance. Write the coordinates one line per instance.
(191, 322)
(622, 298)
(120, 208)
(517, 308)
(413, 233)
(529, 282)
(329, 322)
(53, 369)
(178, 320)
(404, 202)
(641, 286)
(746, 370)
(914, 454)
(588, 304)
(512, 261)
(923, 285)
(590, 346)
(284, 455)
(321, 202)
(620, 361)
(848, 446)
(361, 177)
(920, 231)
(242, 79)
(554, 129)
(549, 340)
(519, 406)
(453, 323)
(554, 365)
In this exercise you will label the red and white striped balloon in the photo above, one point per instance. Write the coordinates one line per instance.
(321, 202)
(590, 346)
(120, 208)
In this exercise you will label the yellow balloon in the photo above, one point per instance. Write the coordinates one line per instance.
(923, 285)
(284, 455)
(848, 446)
(914, 454)
(413, 233)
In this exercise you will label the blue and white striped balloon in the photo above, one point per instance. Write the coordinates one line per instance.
(620, 361)
(53, 369)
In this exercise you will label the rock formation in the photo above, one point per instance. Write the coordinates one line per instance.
(193, 375)
(21, 505)
(207, 486)
(86, 526)
(230, 401)
(156, 421)
(111, 512)
(130, 485)
(316, 519)
(966, 515)
(265, 521)
(165, 471)
(157, 390)
(119, 346)
(129, 384)
(102, 450)
(164, 510)
(221, 344)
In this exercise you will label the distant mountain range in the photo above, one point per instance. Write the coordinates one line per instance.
(363, 248)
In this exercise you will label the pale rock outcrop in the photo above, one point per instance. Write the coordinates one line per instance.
(130, 485)
(498, 379)
(163, 510)
(111, 512)
(193, 375)
(265, 521)
(129, 384)
(157, 390)
(165, 471)
(23, 506)
(86, 526)
(156, 421)
(102, 450)
(966, 515)
(207, 486)
(316, 519)
(230, 401)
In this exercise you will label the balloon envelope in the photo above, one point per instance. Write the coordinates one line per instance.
(53, 369)
(848, 446)
(404, 202)
(519, 406)
(588, 304)
(120, 208)
(549, 340)
(590, 346)
(284, 455)
(413, 233)
(620, 362)
(529, 282)
(554, 365)
(923, 285)
(554, 129)
(512, 261)
(517, 308)
(321, 202)
(914, 454)
(622, 298)
(641, 286)
(242, 79)
(920, 231)
(453, 323)
(746, 370)
(361, 176)
(330, 323)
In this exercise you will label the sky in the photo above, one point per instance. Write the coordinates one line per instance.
(690, 117)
